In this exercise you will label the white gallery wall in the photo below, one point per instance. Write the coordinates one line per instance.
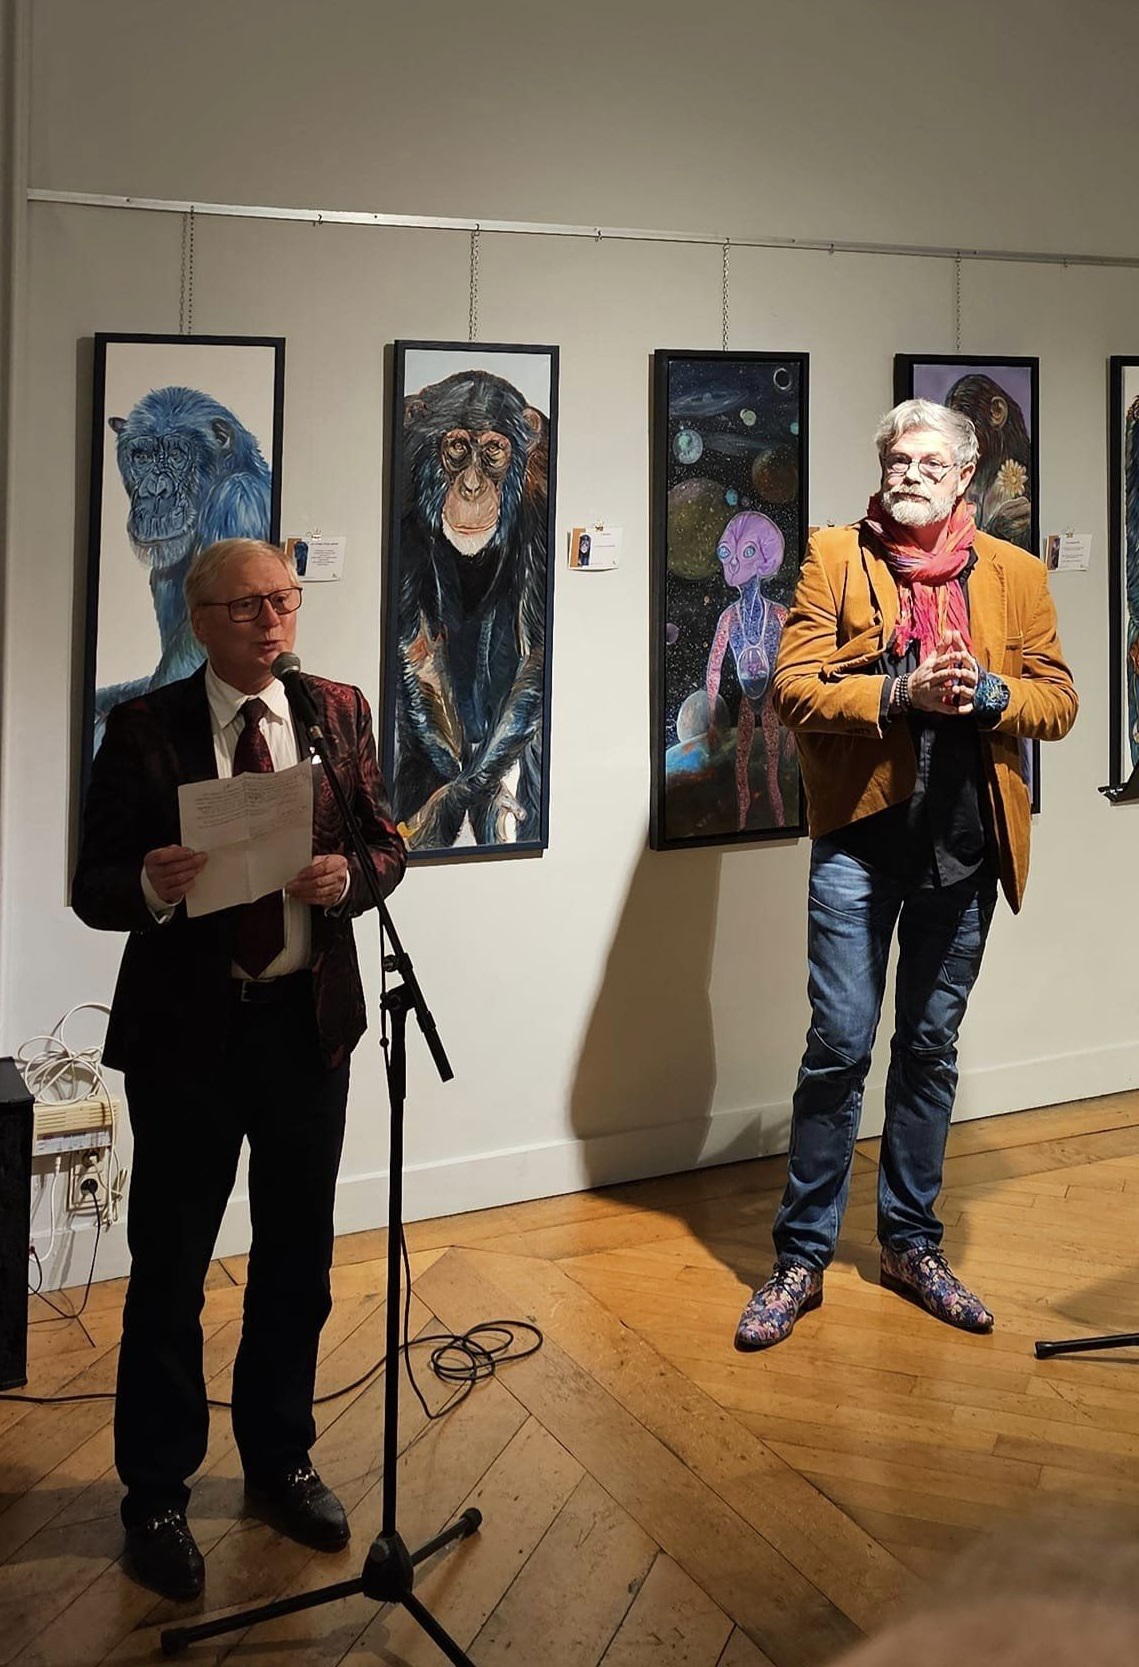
(609, 1011)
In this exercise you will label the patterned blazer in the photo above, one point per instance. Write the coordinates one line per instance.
(172, 1000)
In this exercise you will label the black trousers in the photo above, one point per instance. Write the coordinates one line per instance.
(188, 1124)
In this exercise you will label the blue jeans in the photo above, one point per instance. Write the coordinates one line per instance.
(851, 914)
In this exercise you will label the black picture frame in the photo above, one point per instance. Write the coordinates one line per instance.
(729, 453)
(1123, 565)
(1010, 449)
(426, 741)
(198, 414)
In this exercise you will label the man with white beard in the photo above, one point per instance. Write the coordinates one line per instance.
(918, 656)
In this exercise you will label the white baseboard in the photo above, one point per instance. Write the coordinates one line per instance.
(481, 1180)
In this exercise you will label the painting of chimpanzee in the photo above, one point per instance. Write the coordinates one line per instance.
(469, 589)
(1000, 396)
(187, 466)
(1123, 594)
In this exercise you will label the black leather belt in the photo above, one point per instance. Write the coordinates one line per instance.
(271, 992)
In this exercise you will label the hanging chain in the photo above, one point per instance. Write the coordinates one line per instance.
(725, 287)
(957, 304)
(182, 291)
(186, 298)
(473, 317)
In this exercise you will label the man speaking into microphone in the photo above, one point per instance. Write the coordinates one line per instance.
(229, 1026)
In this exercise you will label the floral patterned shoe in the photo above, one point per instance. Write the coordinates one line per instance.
(769, 1317)
(920, 1273)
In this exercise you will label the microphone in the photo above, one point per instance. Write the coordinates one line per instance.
(286, 668)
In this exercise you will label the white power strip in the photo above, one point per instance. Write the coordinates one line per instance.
(72, 1125)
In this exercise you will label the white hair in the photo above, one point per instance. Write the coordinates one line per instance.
(912, 414)
(210, 563)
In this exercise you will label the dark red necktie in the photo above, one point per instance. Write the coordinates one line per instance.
(258, 928)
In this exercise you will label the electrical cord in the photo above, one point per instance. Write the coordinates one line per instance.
(59, 1074)
(77, 1313)
(474, 1363)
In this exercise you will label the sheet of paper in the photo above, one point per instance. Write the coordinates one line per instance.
(1067, 552)
(595, 548)
(1074, 553)
(317, 557)
(256, 830)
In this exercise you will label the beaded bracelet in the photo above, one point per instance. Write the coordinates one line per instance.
(902, 691)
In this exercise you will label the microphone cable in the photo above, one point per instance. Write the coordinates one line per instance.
(458, 1357)
(464, 1358)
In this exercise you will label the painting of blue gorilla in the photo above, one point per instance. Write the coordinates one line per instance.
(193, 474)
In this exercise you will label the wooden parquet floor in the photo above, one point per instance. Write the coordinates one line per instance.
(648, 1494)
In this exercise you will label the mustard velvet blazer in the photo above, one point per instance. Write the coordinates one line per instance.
(842, 617)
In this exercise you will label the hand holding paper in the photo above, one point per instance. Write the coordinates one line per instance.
(322, 883)
(172, 870)
(256, 830)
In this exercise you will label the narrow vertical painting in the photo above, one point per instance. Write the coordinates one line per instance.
(470, 596)
(729, 528)
(1123, 592)
(1001, 398)
(185, 449)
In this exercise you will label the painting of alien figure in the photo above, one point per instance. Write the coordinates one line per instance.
(186, 447)
(729, 528)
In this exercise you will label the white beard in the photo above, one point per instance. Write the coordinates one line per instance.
(918, 512)
(467, 544)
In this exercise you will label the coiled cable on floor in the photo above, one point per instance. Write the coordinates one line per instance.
(465, 1358)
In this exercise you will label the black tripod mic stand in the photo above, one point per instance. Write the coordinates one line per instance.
(389, 1571)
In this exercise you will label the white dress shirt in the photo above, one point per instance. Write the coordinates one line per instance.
(280, 733)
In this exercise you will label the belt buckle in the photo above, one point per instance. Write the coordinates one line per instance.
(244, 993)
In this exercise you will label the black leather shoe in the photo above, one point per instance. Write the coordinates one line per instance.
(163, 1555)
(299, 1505)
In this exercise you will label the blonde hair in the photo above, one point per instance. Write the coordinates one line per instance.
(211, 562)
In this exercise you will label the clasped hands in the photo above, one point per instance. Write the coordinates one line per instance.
(172, 870)
(946, 680)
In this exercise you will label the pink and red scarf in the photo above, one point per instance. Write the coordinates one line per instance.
(930, 598)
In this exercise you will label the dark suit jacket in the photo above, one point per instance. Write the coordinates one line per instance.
(172, 1003)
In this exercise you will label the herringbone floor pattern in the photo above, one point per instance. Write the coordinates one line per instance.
(648, 1494)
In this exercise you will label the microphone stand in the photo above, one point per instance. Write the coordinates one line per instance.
(389, 1570)
(1080, 1345)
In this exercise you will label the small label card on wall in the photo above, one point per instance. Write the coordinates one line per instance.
(317, 557)
(595, 548)
(1067, 552)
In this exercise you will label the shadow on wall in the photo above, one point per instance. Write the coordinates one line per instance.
(646, 1074)
(644, 1089)
(642, 1096)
